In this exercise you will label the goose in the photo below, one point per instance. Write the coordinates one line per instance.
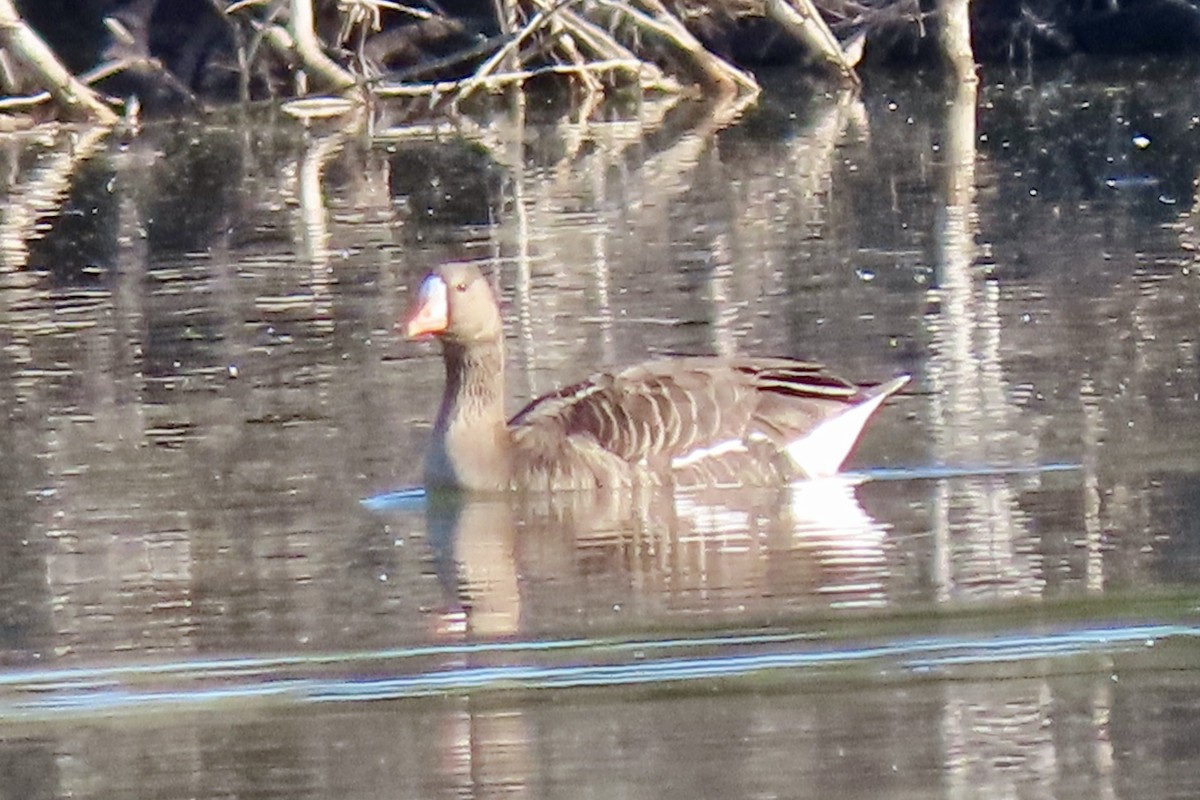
(680, 421)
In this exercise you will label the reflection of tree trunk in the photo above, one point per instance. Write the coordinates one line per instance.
(314, 217)
(998, 734)
(973, 419)
(601, 272)
(128, 301)
(1102, 754)
(800, 194)
(590, 153)
(1093, 431)
(721, 297)
(314, 225)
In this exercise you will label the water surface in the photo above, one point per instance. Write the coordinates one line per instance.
(206, 589)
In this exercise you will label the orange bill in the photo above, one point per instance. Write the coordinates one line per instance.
(429, 313)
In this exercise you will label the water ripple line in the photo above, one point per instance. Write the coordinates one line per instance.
(115, 689)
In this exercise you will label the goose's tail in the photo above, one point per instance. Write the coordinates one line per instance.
(821, 452)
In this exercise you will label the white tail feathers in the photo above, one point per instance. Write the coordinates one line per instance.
(821, 452)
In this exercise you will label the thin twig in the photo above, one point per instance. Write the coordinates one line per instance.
(239, 43)
(267, 31)
(591, 84)
(502, 78)
(486, 46)
(603, 45)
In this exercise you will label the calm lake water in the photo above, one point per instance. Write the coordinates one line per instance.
(212, 584)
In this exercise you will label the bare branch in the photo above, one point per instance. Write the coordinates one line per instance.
(801, 19)
(309, 49)
(72, 96)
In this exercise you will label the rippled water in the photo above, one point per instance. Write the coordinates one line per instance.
(212, 583)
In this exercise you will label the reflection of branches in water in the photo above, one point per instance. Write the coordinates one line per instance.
(581, 155)
(40, 193)
(644, 198)
(661, 177)
(1139, 390)
(315, 237)
(1107, 333)
(767, 208)
(120, 377)
(1102, 320)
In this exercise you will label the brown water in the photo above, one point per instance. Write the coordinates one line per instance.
(211, 584)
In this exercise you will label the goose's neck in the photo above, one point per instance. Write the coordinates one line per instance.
(470, 448)
(474, 385)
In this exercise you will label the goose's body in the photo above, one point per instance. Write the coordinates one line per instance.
(682, 421)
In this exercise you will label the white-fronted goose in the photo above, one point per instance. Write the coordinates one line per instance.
(681, 421)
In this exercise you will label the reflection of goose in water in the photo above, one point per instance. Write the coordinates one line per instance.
(698, 421)
(521, 567)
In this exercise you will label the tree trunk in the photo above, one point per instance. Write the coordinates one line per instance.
(954, 36)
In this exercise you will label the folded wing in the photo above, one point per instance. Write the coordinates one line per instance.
(697, 420)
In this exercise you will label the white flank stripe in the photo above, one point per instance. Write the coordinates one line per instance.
(701, 453)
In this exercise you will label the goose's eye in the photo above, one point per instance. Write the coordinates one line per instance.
(461, 286)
